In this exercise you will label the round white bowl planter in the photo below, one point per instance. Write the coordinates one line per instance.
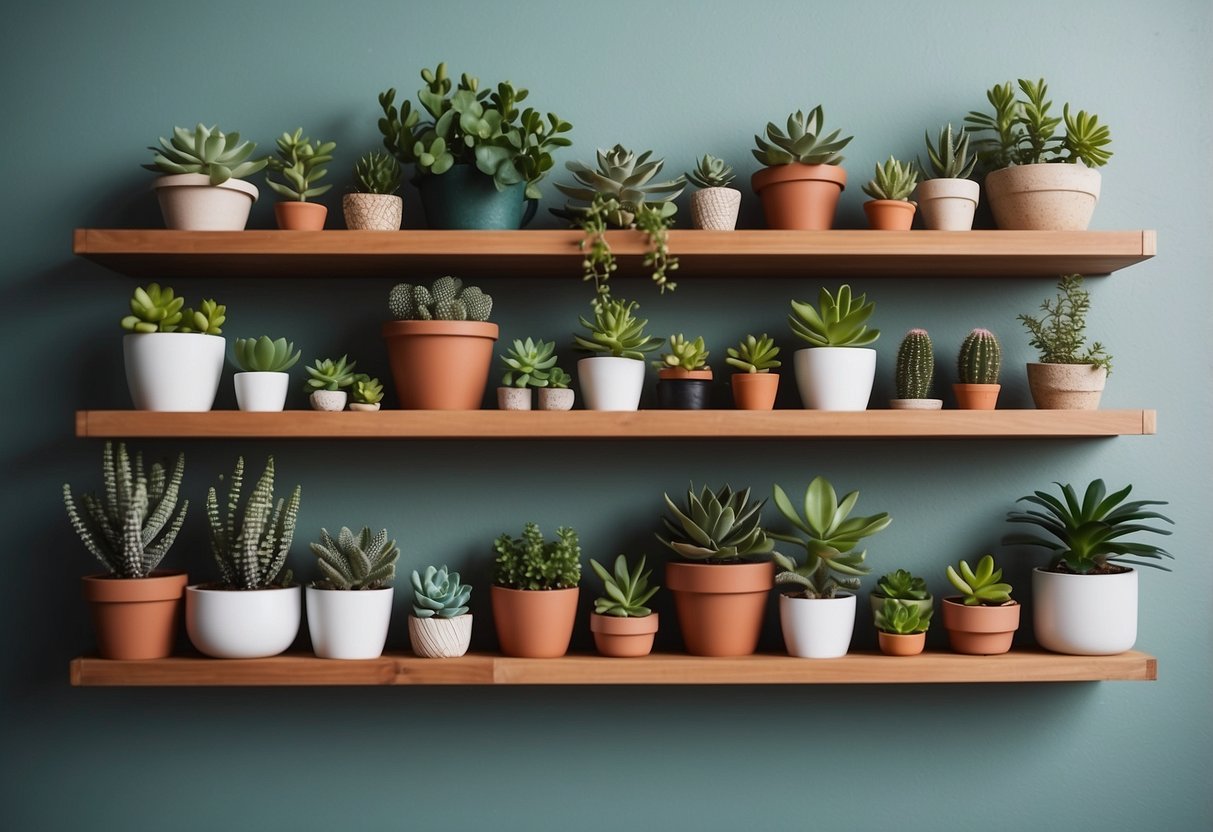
(440, 638)
(947, 204)
(1057, 196)
(835, 378)
(242, 623)
(611, 383)
(348, 623)
(332, 401)
(189, 202)
(173, 371)
(817, 628)
(261, 391)
(1085, 615)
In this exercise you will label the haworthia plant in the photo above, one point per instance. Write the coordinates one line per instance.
(252, 554)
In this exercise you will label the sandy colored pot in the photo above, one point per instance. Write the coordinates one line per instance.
(947, 204)
(980, 630)
(135, 618)
(332, 401)
(514, 398)
(440, 638)
(372, 212)
(556, 398)
(189, 202)
(915, 404)
(755, 391)
(715, 209)
(1066, 386)
(623, 638)
(798, 196)
(440, 365)
(364, 407)
(1085, 615)
(173, 371)
(897, 644)
(1046, 197)
(534, 624)
(300, 216)
(889, 214)
(976, 396)
(720, 606)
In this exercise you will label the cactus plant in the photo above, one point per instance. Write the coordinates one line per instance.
(754, 355)
(351, 563)
(261, 355)
(528, 363)
(447, 299)
(893, 180)
(377, 173)
(717, 527)
(838, 321)
(366, 389)
(980, 358)
(901, 619)
(915, 365)
(801, 143)
(208, 151)
(252, 555)
(300, 164)
(949, 157)
(710, 172)
(627, 590)
(901, 585)
(616, 331)
(529, 562)
(439, 593)
(683, 354)
(981, 587)
(327, 374)
(1059, 335)
(1023, 132)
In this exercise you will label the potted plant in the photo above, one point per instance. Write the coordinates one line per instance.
(348, 611)
(135, 606)
(557, 395)
(622, 625)
(477, 158)
(715, 205)
(534, 592)
(300, 163)
(1070, 375)
(901, 630)
(915, 373)
(1085, 601)
(982, 620)
(374, 206)
(615, 379)
(902, 587)
(173, 356)
(684, 377)
(720, 588)
(947, 196)
(754, 388)
(440, 345)
(202, 187)
(890, 208)
(817, 620)
(326, 383)
(262, 382)
(803, 177)
(440, 626)
(1026, 186)
(527, 364)
(254, 609)
(366, 394)
(836, 371)
(977, 367)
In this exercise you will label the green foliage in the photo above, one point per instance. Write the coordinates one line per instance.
(830, 538)
(893, 180)
(838, 321)
(949, 157)
(684, 354)
(1023, 132)
(627, 179)
(902, 585)
(366, 389)
(327, 374)
(252, 555)
(981, 587)
(627, 590)
(301, 165)
(558, 378)
(447, 299)
(720, 527)
(529, 562)
(528, 363)
(754, 355)
(153, 309)
(902, 619)
(711, 172)
(207, 320)
(915, 365)
(801, 143)
(980, 358)
(1059, 335)
(261, 355)
(377, 173)
(363, 562)
(439, 594)
(1086, 536)
(133, 525)
(209, 151)
(616, 331)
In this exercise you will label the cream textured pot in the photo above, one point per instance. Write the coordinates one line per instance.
(715, 209)
(1066, 386)
(947, 204)
(348, 623)
(242, 623)
(1046, 197)
(330, 400)
(1085, 615)
(817, 628)
(514, 398)
(440, 638)
(835, 378)
(173, 371)
(261, 391)
(915, 404)
(372, 212)
(189, 202)
(556, 398)
(611, 383)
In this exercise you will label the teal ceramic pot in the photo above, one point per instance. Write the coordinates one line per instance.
(465, 198)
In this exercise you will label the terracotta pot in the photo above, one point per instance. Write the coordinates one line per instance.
(679, 389)
(1085, 615)
(440, 638)
(720, 606)
(556, 398)
(534, 624)
(135, 618)
(889, 214)
(372, 212)
(1046, 197)
(1066, 386)
(755, 391)
(915, 404)
(514, 398)
(896, 644)
(715, 209)
(300, 216)
(799, 197)
(976, 396)
(980, 630)
(189, 202)
(440, 365)
(947, 204)
(623, 638)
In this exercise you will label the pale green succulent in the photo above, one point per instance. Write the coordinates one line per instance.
(893, 180)
(439, 594)
(711, 172)
(367, 561)
(559, 379)
(208, 151)
(801, 143)
(377, 173)
(683, 354)
(838, 321)
(1023, 132)
(980, 587)
(366, 389)
(528, 363)
(902, 619)
(301, 165)
(261, 355)
(627, 590)
(153, 309)
(616, 331)
(626, 178)
(754, 355)
(328, 374)
(949, 157)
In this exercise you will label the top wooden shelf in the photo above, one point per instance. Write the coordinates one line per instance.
(161, 254)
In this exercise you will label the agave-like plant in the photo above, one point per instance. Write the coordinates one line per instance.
(838, 321)
(722, 526)
(754, 355)
(901, 584)
(616, 331)
(801, 143)
(902, 620)
(710, 172)
(262, 355)
(209, 151)
(527, 363)
(893, 180)
(626, 178)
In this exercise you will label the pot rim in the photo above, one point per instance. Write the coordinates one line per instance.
(1044, 570)
(614, 625)
(496, 588)
(679, 374)
(792, 596)
(798, 172)
(951, 599)
(201, 180)
(212, 589)
(160, 585)
(746, 577)
(379, 591)
(468, 329)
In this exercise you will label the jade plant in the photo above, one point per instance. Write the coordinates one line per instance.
(300, 163)
(262, 355)
(156, 309)
(327, 374)
(439, 593)
(377, 173)
(616, 331)
(980, 358)
(208, 151)
(837, 321)
(980, 587)
(893, 180)
(754, 355)
(530, 562)
(710, 172)
(349, 562)
(683, 354)
(717, 527)
(366, 389)
(446, 299)
(901, 585)
(902, 620)
(915, 365)
(627, 590)
(1059, 335)
(949, 157)
(801, 142)
(529, 363)
(251, 553)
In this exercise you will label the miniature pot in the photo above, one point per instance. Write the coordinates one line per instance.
(1085, 615)
(980, 630)
(720, 605)
(976, 396)
(715, 209)
(348, 623)
(364, 407)
(261, 391)
(300, 216)
(623, 638)
(1066, 386)
(372, 212)
(889, 214)
(135, 618)
(440, 365)
(514, 398)
(465, 198)
(915, 404)
(817, 628)
(947, 204)
(679, 389)
(534, 624)
(835, 378)
(798, 196)
(1054, 196)
(899, 644)
(556, 398)
(755, 391)
(173, 371)
(440, 638)
(332, 401)
(610, 382)
(189, 202)
(242, 623)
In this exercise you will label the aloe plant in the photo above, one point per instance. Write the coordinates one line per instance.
(208, 151)
(801, 142)
(617, 332)
(754, 355)
(627, 590)
(262, 355)
(838, 321)
(252, 554)
(301, 165)
(982, 586)
(949, 156)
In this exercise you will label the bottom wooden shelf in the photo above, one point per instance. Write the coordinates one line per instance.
(577, 669)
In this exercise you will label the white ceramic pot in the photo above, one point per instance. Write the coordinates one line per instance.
(835, 378)
(715, 209)
(915, 404)
(556, 398)
(348, 624)
(947, 204)
(242, 624)
(189, 202)
(173, 371)
(1044, 197)
(610, 383)
(372, 212)
(1085, 615)
(260, 392)
(440, 638)
(514, 398)
(817, 628)
(365, 407)
(330, 400)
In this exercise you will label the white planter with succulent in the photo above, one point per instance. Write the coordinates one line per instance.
(1070, 375)
(837, 371)
(374, 205)
(327, 383)
(202, 188)
(915, 373)
(349, 610)
(948, 198)
(715, 205)
(614, 381)
(440, 626)
(262, 384)
(366, 394)
(527, 365)
(173, 356)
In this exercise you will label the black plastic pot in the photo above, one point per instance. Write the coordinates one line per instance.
(683, 393)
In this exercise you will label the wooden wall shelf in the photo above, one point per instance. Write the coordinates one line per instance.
(167, 255)
(643, 424)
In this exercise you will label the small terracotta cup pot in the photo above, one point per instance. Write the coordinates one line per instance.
(720, 605)
(534, 623)
(980, 630)
(889, 214)
(896, 644)
(755, 391)
(135, 618)
(623, 638)
(976, 396)
(300, 216)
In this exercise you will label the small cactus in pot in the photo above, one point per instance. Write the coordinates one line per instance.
(977, 367)
(915, 371)
(714, 206)
(374, 205)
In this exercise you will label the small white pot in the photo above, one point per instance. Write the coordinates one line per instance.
(348, 624)
(440, 638)
(947, 204)
(915, 404)
(514, 398)
(261, 391)
(242, 624)
(835, 378)
(556, 398)
(715, 209)
(817, 628)
(330, 400)
(189, 202)
(1085, 615)
(1056, 196)
(173, 371)
(365, 407)
(611, 383)
(372, 212)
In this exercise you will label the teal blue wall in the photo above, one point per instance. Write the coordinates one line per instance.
(87, 86)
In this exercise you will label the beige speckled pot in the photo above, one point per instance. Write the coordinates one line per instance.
(915, 404)
(1044, 197)
(513, 398)
(556, 398)
(372, 212)
(715, 209)
(440, 638)
(947, 204)
(1066, 386)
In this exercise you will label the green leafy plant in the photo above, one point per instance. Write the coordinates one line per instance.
(754, 355)
(327, 374)
(616, 331)
(838, 321)
(901, 585)
(1085, 537)
(801, 142)
(1059, 335)
(300, 163)
(981, 587)
(156, 309)
(446, 299)
(377, 173)
(915, 365)
(366, 389)
(208, 151)
(529, 363)
(980, 358)
(627, 590)
(683, 354)
(559, 379)
(252, 554)
(261, 355)
(131, 527)
(949, 156)
(717, 527)
(710, 172)
(830, 536)
(439, 593)
(367, 561)
(530, 562)
(901, 619)
(893, 180)
(207, 320)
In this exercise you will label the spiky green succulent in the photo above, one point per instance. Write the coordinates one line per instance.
(377, 173)
(367, 561)
(949, 156)
(446, 299)
(627, 590)
(711, 172)
(209, 151)
(722, 526)
(530, 562)
(528, 363)
(1023, 133)
(439, 593)
(251, 554)
(754, 355)
(683, 354)
(915, 365)
(625, 178)
(837, 321)
(616, 331)
(902, 619)
(301, 165)
(366, 389)
(327, 374)
(980, 587)
(207, 319)
(559, 379)
(980, 358)
(153, 309)
(1059, 335)
(893, 180)
(900, 584)
(802, 142)
(261, 355)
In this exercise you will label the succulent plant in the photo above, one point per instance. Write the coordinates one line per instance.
(627, 179)
(352, 563)
(366, 389)
(301, 165)
(801, 143)
(949, 157)
(528, 363)
(893, 180)
(153, 309)
(981, 587)
(627, 590)
(252, 555)
(439, 593)
(838, 321)
(447, 299)
(209, 151)
(901, 585)
(1059, 335)
(902, 619)
(558, 378)
(980, 358)
(615, 330)
(133, 525)
(529, 562)
(377, 173)
(327, 374)
(915, 365)
(719, 527)
(261, 355)
(754, 355)
(206, 320)
(683, 354)
(1023, 132)
(710, 172)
